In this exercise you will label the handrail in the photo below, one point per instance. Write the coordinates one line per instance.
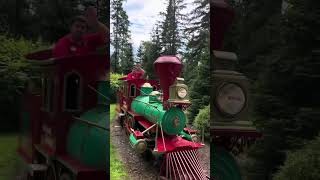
(92, 88)
(90, 123)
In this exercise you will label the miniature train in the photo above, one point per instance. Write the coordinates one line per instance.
(64, 118)
(155, 122)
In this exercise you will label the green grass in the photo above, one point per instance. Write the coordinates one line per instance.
(8, 156)
(112, 112)
(117, 169)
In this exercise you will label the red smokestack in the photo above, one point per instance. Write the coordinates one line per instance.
(221, 15)
(168, 68)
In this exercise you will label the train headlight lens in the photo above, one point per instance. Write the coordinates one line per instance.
(195, 138)
(182, 92)
(230, 99)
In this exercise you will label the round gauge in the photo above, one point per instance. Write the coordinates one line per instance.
(230, 99)
(182, 92)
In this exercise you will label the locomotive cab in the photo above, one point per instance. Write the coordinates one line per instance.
(72, 100)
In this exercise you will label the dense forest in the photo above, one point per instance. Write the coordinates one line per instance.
(277, 43)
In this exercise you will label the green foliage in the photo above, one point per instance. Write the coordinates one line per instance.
(114, 84)
(122, 57)
(13, 73)
(171, 37)
(302, 164)
(199, 84)
(104, 11)
(202, 121)
(197, 58)
(48, 20)
(127, 62)
(280, 53)
(149, 53)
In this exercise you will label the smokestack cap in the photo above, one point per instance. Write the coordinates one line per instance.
(168, 59)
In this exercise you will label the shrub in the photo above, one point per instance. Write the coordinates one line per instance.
(302, 164)
(202, 121)
(14, 73)
(114, 84)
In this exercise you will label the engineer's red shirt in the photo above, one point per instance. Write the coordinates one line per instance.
(66, 46)
(135, 74)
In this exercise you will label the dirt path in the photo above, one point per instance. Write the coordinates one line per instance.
(137, 167)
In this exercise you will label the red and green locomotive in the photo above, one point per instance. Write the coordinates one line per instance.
(152, 115)
(64, 116)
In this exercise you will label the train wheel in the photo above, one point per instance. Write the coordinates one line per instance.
(51, 173)
(130, 124)
(162, 178)
(121, 119)
(66, 176)
(147, 155)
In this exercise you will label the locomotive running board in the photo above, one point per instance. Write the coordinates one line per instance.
(182, 165)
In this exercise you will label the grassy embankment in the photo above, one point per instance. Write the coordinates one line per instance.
(8, 156)
(117, 169)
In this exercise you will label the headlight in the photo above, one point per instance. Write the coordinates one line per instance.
(230, 99)
(182, 93)
(195, 138)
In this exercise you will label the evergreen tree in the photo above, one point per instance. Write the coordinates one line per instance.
(139, 54)
(171, 37)
(104, 11)
(197, 55)
(200, 85)
(120, 37)
(127, 58)
(286, 100)
(149, 51)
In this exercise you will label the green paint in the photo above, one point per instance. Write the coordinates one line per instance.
(168, 121)
(223, 165)
(133, 140)
(172, 121)
(25, 124)
(87, 143)
(157, 154)
(186, 135)
(104, 90)
(146, 90)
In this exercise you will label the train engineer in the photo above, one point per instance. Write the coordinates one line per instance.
(86, 34)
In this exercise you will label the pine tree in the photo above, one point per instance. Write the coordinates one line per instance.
(104, 11)
(286, 106)
(126, 58)
(171, 37)
(120, 36)
(197, 55)
(139, 54)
